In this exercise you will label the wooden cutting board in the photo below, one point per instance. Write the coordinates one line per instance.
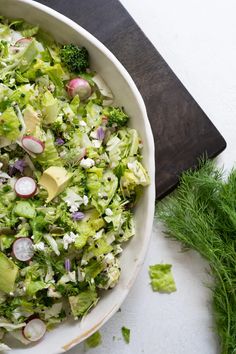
(181, 130)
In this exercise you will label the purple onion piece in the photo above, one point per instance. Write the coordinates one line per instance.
(77, 215)
(18, 166)
(59, 141)
(67, 265)
(100, 133)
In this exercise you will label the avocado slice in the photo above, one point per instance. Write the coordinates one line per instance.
(8, 273)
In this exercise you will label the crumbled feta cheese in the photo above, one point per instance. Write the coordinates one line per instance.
(82, 123)
(12, 81)
(1, 164)
(68, 239)
(73, 208)
(93, 135)
(108, 212)
(39, 246)
(74, 200)
(87, 163)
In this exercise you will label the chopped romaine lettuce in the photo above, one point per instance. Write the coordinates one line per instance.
(94, 340)
(161, 278)
(126, 334)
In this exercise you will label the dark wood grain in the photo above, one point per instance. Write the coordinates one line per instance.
(181, 130)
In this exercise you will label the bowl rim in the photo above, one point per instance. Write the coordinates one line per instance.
(151, 158)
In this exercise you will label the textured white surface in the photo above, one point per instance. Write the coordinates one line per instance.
(197, 39)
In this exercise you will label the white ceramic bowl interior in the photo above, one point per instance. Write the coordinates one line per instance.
(67, 335)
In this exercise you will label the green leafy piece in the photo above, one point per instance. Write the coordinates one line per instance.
(75, 58)
(126, 334)
(32, 287)
(8, 273)
(50, 156)
(161, 278)
(28, 56)
(83, 302)
(25, 209)
(102, 188)
(93, 268)
(3, 49)
(6, 241)
(9, 124)
(29, 30)
(94, 340)
(57, 76)
(26, 29)
(50, 107)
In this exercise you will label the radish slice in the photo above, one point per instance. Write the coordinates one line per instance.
(23, 249)
(32, 144)
(34, 330)
(25, 187)
(24, 41)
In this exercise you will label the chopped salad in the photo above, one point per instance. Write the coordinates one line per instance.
(70, 175)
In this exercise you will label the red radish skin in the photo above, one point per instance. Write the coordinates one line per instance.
(80, 87)
(34, 330)
(23, 41)
(23, 249)
(33, 144)
(25, 187)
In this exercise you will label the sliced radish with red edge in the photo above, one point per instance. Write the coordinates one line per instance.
(23, 249)
(34, 330)
(33, 144)
(24, 41)
(25, 187)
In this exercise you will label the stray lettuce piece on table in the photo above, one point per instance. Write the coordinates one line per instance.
(94, 340)
(126, 334)
(161, 278)
(83, 302)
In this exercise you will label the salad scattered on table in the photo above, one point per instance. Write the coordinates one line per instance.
(70, 175)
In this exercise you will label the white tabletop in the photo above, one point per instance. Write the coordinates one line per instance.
(197, 39)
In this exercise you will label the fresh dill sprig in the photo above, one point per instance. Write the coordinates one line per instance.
(202, 215)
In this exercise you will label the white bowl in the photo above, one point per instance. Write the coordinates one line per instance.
(66, 335)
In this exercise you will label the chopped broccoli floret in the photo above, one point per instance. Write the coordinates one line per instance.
(75, 58)
(116, 116)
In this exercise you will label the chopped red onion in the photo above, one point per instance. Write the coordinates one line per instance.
(77, 215)
(67, 264)
(60, 141)
(18, 166)
(100, 133)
